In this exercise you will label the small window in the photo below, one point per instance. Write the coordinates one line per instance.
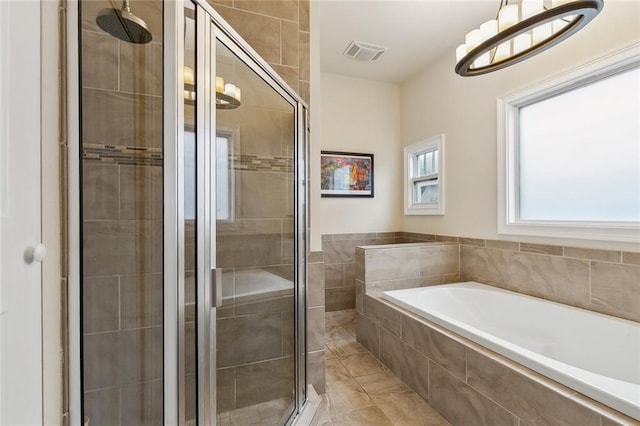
(224, 177)
(424, 177)
(570, 155)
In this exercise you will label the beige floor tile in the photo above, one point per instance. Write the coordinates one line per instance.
(381, 386)
(321, 418)
(329, 321)
(351, 328)
(344, 396)
(369, 416)
(343, 348)
(407, 408)
(335, 371)
(361, 390)
(328, 354)
(337, 332)
(362, 364)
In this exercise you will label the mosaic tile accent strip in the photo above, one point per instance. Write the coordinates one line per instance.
(138, 156)
(122, 155)
(255, 163)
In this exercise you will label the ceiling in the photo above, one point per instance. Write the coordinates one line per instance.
(415, 32)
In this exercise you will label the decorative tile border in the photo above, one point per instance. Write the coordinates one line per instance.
(141, 156)
(122, 155)
(255, 163)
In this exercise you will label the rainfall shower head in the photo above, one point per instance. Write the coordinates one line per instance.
(123, 24)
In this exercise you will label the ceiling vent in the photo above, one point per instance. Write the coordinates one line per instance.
(363, 51)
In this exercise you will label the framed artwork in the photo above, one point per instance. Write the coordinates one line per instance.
(346, 174)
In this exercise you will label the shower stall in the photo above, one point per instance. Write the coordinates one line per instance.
(187, 171)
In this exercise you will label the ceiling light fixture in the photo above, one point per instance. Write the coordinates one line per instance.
(520, 31)
(228, 96)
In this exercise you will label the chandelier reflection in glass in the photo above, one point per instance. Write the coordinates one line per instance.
(228, 96)
(520, 31)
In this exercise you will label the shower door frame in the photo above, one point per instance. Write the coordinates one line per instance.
(211, 27)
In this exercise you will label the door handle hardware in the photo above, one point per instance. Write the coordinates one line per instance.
(216, 287)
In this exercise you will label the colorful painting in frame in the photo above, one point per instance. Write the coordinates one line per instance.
(346, 174)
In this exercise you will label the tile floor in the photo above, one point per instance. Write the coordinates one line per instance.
(362, 391)
(266, 413)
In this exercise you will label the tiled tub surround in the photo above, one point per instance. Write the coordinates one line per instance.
(599, 280)
(459, 378)
(573, 346)
(465, 382)
(339, 265)
(398, 266)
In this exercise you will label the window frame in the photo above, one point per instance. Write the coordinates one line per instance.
(509, 221)
(434, 143)
(231, 135)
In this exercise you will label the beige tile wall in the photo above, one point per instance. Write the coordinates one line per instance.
(339, 259)
(316, 321)
(279, 31)
(599, 280)
(404, 265)
(465, 381)
(122, 223)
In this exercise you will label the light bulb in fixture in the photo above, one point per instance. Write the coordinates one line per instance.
(507, 16)
(523, 31)
(219, 84)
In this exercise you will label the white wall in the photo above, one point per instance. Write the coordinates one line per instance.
(464, 108)
(362, 116)
(51, 269)
(315, 120)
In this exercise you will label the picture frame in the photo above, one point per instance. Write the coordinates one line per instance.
(346, 174)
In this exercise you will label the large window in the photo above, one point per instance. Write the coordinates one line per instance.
(424, 177)
(570, 151)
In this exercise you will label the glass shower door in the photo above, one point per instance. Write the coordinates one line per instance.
(255, 249)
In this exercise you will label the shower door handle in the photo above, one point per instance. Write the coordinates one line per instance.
(216, 287)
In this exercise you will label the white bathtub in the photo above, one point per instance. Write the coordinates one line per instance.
(256, 284)
(597, 355)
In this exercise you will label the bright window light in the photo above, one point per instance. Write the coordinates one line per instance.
(580, 153)
(569, 153)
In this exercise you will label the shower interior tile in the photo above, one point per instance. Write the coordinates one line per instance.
(141, 68)
(141, 300)
(142, 404)
(289, 43)
(249, 338)
(100, 304)
(99, 60)
(122, 247)
(265, 381)
(141, 195)
(305, 69)
(134, 119)
(287, 10)
(260, 31)
(101, 191)
(103, 406)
